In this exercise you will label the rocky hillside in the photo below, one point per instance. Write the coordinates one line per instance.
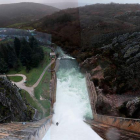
(23, 12)
(119, 64)
(89, 25)
(115, 70)
(12, 107)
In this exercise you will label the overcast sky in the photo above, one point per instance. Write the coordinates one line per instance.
(80, 1)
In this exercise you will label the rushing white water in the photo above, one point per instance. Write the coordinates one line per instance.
(72, 106)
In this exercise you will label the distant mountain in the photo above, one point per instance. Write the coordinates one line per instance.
(65, 5)
(23, 12)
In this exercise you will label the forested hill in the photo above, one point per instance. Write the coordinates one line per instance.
(23, 12)
(87, 25)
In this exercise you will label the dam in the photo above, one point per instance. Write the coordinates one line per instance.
(72, 105)
(73, 111)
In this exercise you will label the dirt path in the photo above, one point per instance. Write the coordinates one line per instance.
(41, 76)
(22, 85)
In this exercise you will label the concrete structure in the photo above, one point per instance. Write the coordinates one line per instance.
(101, 123)
(25, 130)
(108, 127)
(53, 84)
(52, 55)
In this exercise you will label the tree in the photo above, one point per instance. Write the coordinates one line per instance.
(3, 52)
(37, 51)
(11, 56)
(35, 59)
(25, 53)
(3, 66)
(33, 42)
(17, 46)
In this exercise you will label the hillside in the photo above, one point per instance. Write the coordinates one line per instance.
(89, 25)
(12, 106)
(23, 12)
(65, 5)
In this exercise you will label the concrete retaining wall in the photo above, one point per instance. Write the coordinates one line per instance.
(128, 124)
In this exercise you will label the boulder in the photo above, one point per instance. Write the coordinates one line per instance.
(132, 51)
(132, 106)
(123, 37)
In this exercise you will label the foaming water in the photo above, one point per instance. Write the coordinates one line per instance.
(72, 106)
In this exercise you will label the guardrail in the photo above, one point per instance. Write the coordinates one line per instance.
(53, 85)
(128, 124)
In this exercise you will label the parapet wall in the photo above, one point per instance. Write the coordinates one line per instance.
(128, 124)
(25, 131)
(53, 85)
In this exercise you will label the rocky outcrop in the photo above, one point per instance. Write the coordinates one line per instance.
(12, 107)
(114, 68)
(119, 64)
(133, 107)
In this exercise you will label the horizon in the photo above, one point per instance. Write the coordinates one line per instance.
(72, 1)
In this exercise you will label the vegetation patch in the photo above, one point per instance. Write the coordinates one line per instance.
(34, 73)
(26, 96)
(15, 78)
(21, 52)
(42, 92)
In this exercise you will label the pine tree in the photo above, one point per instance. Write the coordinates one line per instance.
(17, 45)
(3, 66)
(25, 53)
(11, 56)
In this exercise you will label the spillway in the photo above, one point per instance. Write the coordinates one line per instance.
(72, 105)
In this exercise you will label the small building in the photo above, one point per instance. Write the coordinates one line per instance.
(52, 55)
